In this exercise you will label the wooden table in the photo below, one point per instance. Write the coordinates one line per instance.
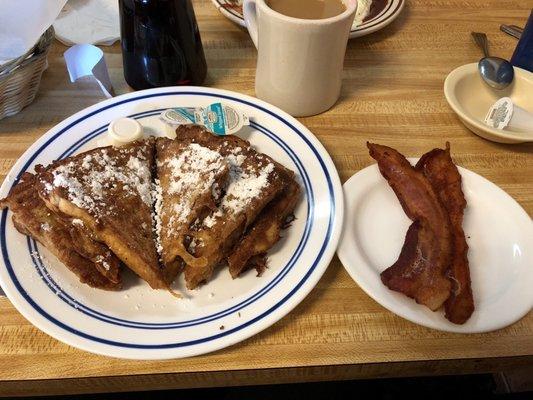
(392, 94)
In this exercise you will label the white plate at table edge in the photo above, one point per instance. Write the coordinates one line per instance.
(299, 279)
(356, 257)
(384, 18)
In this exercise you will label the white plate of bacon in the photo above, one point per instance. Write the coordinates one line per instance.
(437, 244)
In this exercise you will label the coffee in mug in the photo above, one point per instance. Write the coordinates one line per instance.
(308, 9)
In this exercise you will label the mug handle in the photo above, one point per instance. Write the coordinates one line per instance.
(249, 11)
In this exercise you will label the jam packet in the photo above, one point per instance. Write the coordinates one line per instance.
(219, 118)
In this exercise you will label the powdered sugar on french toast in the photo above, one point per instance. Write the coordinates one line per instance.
(244, 185)
(141, 182)
(102, 261)
(157, 195)
(88, 181)
(77, 222)
(192, 173)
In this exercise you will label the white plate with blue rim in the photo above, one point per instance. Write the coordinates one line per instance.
(371, 15)
(141, 323)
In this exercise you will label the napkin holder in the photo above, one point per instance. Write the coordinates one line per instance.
(20, 78)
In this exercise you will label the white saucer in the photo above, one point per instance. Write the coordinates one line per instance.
(499, 235)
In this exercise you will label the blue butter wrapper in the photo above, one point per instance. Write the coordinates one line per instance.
(218, 118)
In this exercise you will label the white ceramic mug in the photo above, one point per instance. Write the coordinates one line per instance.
(300, 61)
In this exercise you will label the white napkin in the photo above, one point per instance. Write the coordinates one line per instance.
(88, 22)
(88, 60)
(22, 22)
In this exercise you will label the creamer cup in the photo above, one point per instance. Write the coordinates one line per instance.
(123, 131)
(505, 115)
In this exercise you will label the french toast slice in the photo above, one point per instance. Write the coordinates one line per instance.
(254, 180)
(264, 233)
(189, 179)
(92, 262)
(110, 190)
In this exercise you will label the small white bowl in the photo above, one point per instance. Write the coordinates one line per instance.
(471, 98)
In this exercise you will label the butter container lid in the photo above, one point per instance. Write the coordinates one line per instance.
(124, 130)
(504, 114)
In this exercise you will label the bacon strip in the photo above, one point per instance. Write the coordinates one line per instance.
(420, 271)
(439, 169)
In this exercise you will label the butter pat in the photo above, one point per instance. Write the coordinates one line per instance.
(218, 118)
(123, 131)
(169, 131)
(222, 119)
(505, 115)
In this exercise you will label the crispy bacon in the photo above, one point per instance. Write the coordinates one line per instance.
(439, 169)
(420, 271)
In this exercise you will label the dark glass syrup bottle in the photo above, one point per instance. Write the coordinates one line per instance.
(161, 44)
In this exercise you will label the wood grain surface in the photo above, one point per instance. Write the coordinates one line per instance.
(392, 94)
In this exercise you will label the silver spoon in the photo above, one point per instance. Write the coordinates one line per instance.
(495, 71)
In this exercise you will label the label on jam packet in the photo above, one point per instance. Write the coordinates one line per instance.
(218, 118)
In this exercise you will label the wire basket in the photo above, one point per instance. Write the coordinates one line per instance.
(20, 78)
